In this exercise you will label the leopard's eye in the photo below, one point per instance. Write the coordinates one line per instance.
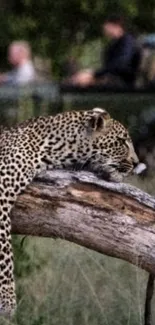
(124, 140)
(121, 140)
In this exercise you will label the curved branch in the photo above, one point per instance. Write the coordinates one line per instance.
(115, 219)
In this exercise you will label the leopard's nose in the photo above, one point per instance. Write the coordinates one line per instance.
(135, 163)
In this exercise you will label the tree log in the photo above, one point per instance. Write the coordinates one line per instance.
(116, 219)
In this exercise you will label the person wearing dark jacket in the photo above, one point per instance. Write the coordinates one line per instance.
(121, 59)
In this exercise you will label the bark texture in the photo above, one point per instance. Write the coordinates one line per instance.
(115, 219)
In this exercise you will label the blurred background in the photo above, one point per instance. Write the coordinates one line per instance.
(78, 54)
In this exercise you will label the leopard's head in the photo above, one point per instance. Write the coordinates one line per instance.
(112, 151)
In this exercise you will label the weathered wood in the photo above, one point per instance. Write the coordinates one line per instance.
(115, 219)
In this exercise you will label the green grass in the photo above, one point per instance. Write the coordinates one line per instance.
(67, 284)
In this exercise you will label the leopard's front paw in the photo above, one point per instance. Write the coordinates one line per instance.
(116, 177)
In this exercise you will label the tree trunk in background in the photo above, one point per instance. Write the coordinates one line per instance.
(114, 219)
(6, 4)
(146, 15)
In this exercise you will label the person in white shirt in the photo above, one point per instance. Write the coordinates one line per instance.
(19, 56)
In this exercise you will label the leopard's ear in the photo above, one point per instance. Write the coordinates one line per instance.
(99, 120)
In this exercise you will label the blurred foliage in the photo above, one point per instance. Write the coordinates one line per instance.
(54, 28)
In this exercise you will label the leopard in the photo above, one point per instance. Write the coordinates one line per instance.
(81, 140)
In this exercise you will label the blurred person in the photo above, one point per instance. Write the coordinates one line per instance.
(20, 57)
(121, 59)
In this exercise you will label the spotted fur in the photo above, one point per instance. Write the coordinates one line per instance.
(89, 140)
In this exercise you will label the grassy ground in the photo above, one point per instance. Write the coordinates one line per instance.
(69, 285)
(59, 283)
